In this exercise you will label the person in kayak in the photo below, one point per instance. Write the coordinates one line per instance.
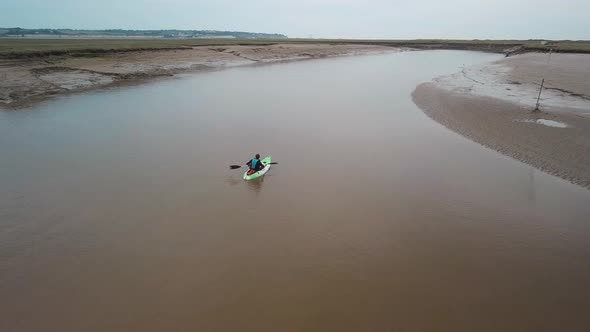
(255, 164)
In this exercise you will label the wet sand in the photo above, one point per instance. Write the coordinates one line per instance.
(493, 105)
(23, 81)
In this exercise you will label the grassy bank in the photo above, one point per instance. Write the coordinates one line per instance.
(18, 48)
(15, 48)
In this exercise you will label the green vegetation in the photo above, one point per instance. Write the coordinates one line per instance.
(566, 46)
(29, 47)
(24, 47)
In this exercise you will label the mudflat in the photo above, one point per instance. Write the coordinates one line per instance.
(26, 80)
(494, 105)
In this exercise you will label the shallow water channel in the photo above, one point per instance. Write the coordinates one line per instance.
(118, 211)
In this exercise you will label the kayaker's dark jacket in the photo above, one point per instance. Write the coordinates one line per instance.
(255, 164)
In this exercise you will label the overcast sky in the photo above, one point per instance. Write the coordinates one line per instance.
(497, 19)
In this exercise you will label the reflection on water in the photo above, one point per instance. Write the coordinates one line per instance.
(118, 212)
(253, 185)
(256, 184)
(532, 199)
(233, 180)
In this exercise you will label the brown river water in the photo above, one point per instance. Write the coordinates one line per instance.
(118, 211)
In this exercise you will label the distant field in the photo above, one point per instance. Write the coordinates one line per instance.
(32, 47)
(17, 47)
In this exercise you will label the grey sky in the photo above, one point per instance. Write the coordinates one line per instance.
(497, 19)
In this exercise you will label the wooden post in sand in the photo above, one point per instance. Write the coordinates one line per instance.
(539, 97)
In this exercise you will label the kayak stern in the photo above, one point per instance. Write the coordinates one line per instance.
(266, 162)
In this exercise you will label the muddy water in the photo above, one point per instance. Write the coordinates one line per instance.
(118, 212)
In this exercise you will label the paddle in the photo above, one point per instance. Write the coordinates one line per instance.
(238, 166)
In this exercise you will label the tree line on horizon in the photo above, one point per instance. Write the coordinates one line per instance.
(171, 33)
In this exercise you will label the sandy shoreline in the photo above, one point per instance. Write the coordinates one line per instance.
(25, 81)
(492, 105)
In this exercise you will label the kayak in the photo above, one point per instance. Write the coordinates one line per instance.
(266, 162)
